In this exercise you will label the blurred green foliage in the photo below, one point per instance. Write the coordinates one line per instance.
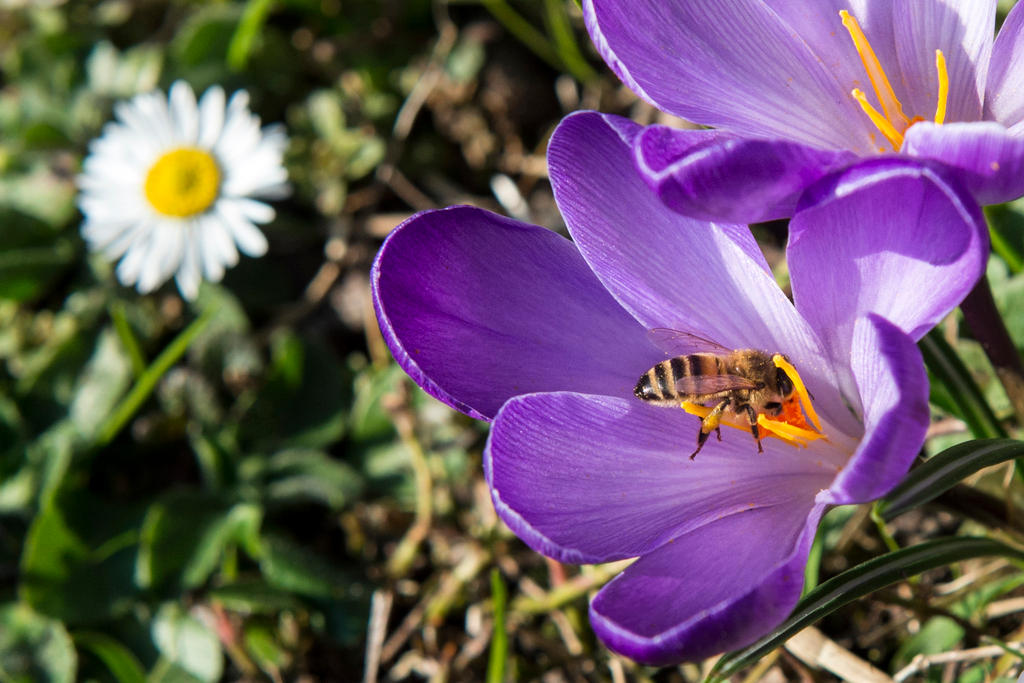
(164, 545)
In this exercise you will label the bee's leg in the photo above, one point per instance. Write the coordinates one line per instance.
(710, 423)
(752, 416)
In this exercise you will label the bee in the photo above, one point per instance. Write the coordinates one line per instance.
(736, 384)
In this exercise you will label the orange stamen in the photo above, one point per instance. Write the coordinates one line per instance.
(801, 391)
(890, 105)
(940, 66)
(891, 121)
(894, 137)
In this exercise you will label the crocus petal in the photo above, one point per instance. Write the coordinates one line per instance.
(893, 387)
(888, 236)
(478, 308)
(717, 588)
(1005, 98)
(988, 160)
(658, 264)
(669, 270)
(820, 25)
(732, 65)
(589, 479)
(719, 176)
(964, 32)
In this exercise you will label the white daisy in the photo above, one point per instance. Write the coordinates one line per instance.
(168, 187)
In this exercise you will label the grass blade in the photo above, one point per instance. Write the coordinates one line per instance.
(857, 582)
(945, 470)
(948, 369)
(499, 639)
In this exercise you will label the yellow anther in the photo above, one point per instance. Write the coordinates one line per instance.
(703, 411)
(786, 430)
(891, 121)
(890, 105)
(940, 66)
(798, 384)
(894, 137)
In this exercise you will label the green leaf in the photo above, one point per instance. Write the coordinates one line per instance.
(188, 643)
(300, 475)
(118, 659)
(247, 33)
(939, 634)
(292, 567)
(1006, 228)
(254, 597)
(77, 560)
(102, 382)
(948, 369)
(166, 671)
(369, 420)
(305, 400)
(184, 537)
(857, 582)
(116, 74)
(945, 470)
(1008, 292)
(202, 38)
(262, 644)
(31, 255)
(34, 649)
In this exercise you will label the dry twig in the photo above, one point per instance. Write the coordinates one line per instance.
(921, 663)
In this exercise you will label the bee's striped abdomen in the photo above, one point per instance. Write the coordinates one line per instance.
(659, 383)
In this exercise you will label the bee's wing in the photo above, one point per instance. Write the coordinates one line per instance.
(678, 343)
(698, 385)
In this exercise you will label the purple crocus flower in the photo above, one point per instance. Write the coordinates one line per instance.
(546, 338)
(798, 89)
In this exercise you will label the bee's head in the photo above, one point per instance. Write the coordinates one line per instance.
(783, 384)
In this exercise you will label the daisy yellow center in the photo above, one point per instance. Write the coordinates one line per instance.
(891, 121)
(183, 182)
(791, 424)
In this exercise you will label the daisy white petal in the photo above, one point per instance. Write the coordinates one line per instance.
(250, 240)
(184, 113)
(166, 188)
(211, 116)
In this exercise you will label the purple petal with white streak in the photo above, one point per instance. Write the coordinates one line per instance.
(1005, 88)
(893, 387)
(720, 176)
(964, 32)
(889, 236)
(988, 160)
(589, 479)
(718, 587)
(478, 308)
(669, 270)
(734, 65)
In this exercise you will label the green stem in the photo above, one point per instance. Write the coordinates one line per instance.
(883, 531)
(127, 338)
(565, 41)
(812, 570)
(499, 639)
(529, 36)
(147, 381)
(253, 18)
